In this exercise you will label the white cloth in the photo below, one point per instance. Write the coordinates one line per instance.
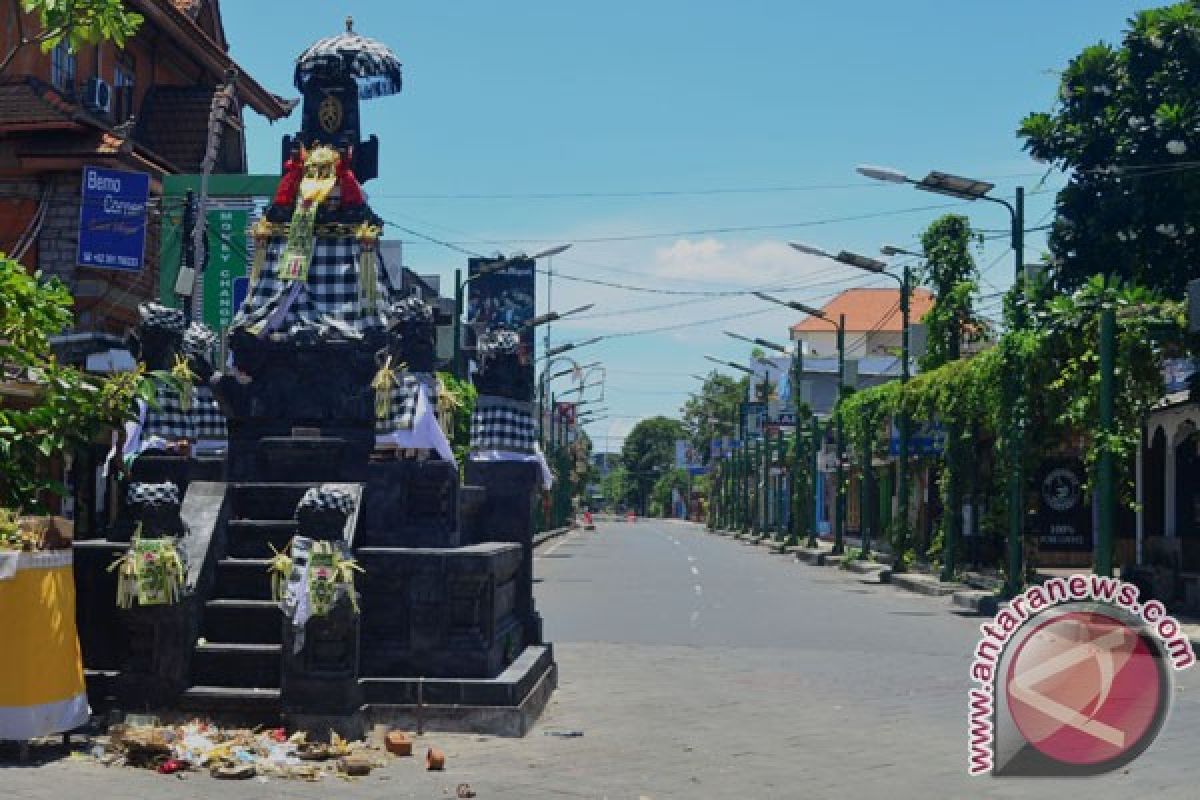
(508, 455)
(425, 434)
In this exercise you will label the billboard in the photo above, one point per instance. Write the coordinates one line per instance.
(112, 219)
(504, 298)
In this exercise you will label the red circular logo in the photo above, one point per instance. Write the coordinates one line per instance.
(1085, 688)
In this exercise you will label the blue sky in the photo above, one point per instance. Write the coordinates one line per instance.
(635, 129)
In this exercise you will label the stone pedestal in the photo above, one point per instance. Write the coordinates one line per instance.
(507, 514)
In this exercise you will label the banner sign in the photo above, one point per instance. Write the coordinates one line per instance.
(754, 416)
(112, 219)
(501, 299)
(226, 230)
(686, 456)
(1063, 521)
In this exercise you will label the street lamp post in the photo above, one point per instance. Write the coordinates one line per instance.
(839, 528)
(878, 267)
(971, 189)
(460, 285)
(797, 368)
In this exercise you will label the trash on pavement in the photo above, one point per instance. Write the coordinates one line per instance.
(435, 759)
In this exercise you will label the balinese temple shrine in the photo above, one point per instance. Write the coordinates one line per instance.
(294, 540)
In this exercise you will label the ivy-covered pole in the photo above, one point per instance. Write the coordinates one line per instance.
(816, 455)
(865, 485)
(1104, 478)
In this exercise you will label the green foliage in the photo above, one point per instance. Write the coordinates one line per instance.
(76, 22)
(648, 452)
(615, 487)
(949, 270)
(713, 411)
(1126, 127)
(1057, 355)
(465, 396)
(70, 406)
(660, 495)
(82, 22)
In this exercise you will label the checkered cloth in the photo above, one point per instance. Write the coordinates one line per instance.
(329, 298)
(403, 406)
(206, 415)
(498, 423)
(155, 316)
(152, 495)
(168, 421)
(326, 498)
(198, 340)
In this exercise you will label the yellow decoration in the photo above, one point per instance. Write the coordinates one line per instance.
(382, 383)
(320, 175)
(150, 572)
(182, 372)
(280, 569)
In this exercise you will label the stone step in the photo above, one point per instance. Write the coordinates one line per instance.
(924, 584)
(252, 538)
(266, 501)
(237, 664)
(243, 621)
(238, 705)
(243, 579)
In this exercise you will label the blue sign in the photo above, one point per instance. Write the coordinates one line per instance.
(924, 439)
(112, 219)
(241, 286)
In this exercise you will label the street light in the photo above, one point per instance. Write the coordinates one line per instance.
(555, 316)
(839, 528)
(569, 346)
(484, 269)
(877, 267)
(972, 189)
(778, 348)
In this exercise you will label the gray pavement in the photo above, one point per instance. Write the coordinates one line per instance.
(700, 667)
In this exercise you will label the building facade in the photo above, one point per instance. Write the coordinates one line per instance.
(145, 108)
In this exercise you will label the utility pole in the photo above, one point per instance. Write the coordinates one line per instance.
(1105, 478)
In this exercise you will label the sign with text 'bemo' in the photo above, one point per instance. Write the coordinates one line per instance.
(112, 219)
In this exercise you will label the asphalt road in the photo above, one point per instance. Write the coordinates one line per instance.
(695, 666)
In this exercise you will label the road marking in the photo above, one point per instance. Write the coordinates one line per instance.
(695, 571)
(695, 618)
(698, 589)
(554, 546)
(691, 559)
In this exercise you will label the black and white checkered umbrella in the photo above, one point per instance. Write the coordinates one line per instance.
(372, 64)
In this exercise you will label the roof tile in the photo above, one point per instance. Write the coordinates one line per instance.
(869, 310)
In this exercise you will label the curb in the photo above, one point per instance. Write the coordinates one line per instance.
(860, 567)
(553, 533)
(979, 601)
(925, 584)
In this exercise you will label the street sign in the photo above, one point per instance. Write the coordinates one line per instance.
(924, 439)
(226, 231)
(753, 417)
(112, 219)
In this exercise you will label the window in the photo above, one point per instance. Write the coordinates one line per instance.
(62, 68)
(124, 79)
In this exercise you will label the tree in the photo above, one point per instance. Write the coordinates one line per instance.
(1126, 126)
(672, 480)
(648, 452)
(68, 406)
(615, 487)
(949, 269)
(77, 22)
(713, 411)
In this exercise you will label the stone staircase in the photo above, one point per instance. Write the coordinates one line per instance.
(236, 662)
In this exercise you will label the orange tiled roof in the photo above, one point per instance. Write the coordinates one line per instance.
(869, 310)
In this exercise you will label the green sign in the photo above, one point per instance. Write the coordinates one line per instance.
(226, 232)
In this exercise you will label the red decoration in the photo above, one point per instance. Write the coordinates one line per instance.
(352, 193)
(293, 173)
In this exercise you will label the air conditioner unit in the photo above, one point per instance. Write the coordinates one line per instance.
(97, 95)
